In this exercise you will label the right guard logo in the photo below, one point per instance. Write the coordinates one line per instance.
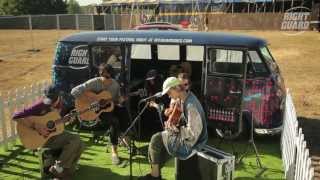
(79, 55)
(296, 20)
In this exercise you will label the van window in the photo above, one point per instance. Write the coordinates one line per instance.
(141, 51)
(106, 54)
(195, 53)
(169, 52)
(228, 56)
(257, 64)
(226, 61)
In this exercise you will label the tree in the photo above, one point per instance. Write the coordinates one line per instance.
(9, 7)
(73, 7)
(20, 7)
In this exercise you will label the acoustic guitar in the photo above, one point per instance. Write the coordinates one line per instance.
(104, 99)
(31, 139)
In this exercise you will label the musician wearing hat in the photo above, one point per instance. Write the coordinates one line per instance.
(185, 130)
(71, 145)
(153, 82)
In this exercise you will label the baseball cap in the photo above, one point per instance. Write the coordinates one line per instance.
(170, 82)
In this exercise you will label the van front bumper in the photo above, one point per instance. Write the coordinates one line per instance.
(272, 131)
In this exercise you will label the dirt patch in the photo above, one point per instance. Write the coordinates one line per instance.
(21, 67)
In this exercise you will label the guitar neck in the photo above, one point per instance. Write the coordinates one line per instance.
(68, 116)
(140, 92)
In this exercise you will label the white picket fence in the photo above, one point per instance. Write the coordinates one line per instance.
(11, 101)
(295, 154)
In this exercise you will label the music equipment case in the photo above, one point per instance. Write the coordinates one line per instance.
(207, 164)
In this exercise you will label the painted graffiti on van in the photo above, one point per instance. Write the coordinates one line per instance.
(260, 98)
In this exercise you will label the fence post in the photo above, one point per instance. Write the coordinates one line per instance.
(114, 21)
(3, 123)
(92, 22)
(232, 8)
(58, 26)
(31, 34)
(58, 21)
(104, 21)
(77, 21)
(12, 102)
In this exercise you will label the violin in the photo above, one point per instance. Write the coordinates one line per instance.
(174, 115)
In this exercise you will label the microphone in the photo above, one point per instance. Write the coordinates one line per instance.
(156, 95)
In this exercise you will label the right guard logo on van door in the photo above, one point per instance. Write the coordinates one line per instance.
(71, 65)
(79, 55)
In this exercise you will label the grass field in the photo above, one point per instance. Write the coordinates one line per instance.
(95, 163)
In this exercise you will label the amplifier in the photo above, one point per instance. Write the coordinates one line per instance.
(207, 164)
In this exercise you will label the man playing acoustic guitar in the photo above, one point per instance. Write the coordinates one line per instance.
(70, 144)
(89, 90)
(185, 130)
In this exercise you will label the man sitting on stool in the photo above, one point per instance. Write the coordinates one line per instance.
(71, 145)
(181, 140)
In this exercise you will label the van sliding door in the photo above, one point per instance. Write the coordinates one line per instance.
(224, 88)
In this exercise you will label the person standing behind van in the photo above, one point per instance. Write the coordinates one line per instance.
(104, 82)
(185, 80)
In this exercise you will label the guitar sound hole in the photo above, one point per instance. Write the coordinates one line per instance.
(51, 125)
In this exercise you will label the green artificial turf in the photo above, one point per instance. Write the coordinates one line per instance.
(95, 163)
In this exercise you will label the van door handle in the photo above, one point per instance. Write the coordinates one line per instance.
(234, 92)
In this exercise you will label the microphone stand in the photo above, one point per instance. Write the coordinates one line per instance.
(131, 143)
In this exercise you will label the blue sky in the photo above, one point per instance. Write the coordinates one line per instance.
(86, 2)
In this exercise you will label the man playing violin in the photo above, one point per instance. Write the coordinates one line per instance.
(184, 132)
(185, 84)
